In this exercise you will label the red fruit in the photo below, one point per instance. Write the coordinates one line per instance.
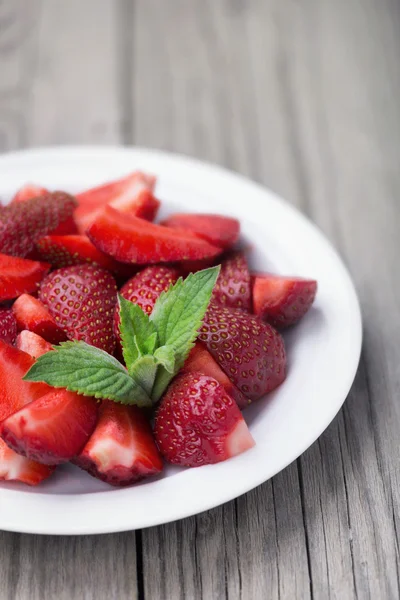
(216, 229)
(201, 361)
(133, 240)
(31, 314)
(131, 194)
(8, 326)
(27, 192)
(198, 423)
(121, 449)
(32, 344)
(52, 429)
(14, 393)
(282, 301)
(23, 223)
(250, 352)
(232, 289)
(82, 300)
(192, 266)
(20, 275)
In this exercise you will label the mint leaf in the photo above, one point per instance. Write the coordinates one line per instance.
(178, 313)
(144, 371)
(138, 333)
(165, 356)
(87, 370)
(162, 381)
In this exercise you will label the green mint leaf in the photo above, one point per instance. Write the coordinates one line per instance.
(178, 313)
(165, 356)
(87, 370)
(144, 371)
(138, 333)
(162, 381)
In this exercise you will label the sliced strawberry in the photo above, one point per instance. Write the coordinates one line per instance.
(27, 192)
(31, 314)
(14, 393)
(20, 275)
(67, 227)
(131, 194)
(8, 326)
(133, 240)
(282, 301)
(23, 223)
(198, 423)
(233, 289)
(250, 352)
(192, 266)
(218, 230)
(32, 344)
(201, 361)
(52, 429)
(121, 449)
(82, 299)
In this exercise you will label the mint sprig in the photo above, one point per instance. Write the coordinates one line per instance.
(154, 348)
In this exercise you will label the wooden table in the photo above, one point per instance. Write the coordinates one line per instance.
(303, 97)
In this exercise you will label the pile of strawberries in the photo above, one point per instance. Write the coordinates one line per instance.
(62, 260)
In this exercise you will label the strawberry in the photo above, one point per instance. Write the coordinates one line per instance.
(192, 266)
(232, 289)
(121, 449)
(8, 325)
(218, 230)
(32, 344)
(20, 275)
(31, 314)
(82, 299)
(131, 194)
(250, 352)
(201, 361)
(132, 240)
(14, 393)
(52, 429)
(27, 192)
(282, 301)
(198, 423)
(23, 223)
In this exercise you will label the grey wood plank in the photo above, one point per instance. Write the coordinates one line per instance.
(58, 84)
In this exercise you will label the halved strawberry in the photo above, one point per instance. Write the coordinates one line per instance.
(131, 194)
(133, 240)
(198, 423)
(23, 223)
(282, 301)
(27, 192)
(31, 314)
(201, 361)
(250, 352)
(218, 230)
(14, 393)
(52, 429)
(232, 289)
(82, 299)
(121, 449)
(32, 344)
(8, 326)
(20, 275)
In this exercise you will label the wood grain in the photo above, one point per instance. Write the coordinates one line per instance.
(302, 97)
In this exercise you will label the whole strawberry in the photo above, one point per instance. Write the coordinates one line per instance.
(82, 299)
(250, 352)
(8, 325)
(232, 289)
(198, 423)
(23, 223)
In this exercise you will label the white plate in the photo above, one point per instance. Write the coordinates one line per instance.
(323, 350)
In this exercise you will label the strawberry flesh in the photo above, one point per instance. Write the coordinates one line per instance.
(251, 353)
(233, 289)
(20, 275)
(282, 301)
(32, 344)
(218, 230)
(82, 299)
(198, 423)
(8, 325)
(121, 449)
(132, 240)
(27, 192)
(31, 314)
